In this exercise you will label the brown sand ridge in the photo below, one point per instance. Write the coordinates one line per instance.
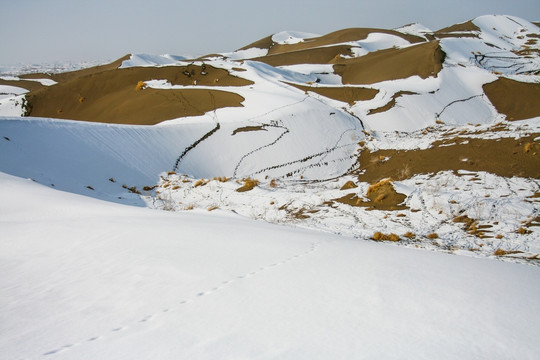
(504, 157)
(466, 29)
(336, 37)
(264, 43)
(346, 94)
(110, 96)
(322, 55)
(516, 100)
(61, 77)
(424, 60)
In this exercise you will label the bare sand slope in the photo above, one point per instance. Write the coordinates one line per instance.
(424, 60)
(516, 100)
(466, 29)
(343, 93)
(320, 55)
(112, 95)
(515, 157)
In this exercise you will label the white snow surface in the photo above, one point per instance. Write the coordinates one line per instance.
(292, 37)
(7, 91)
(151, 60)
(49, 68)
(245, 54)
(11, 104)
(86, 279)
(414, 29)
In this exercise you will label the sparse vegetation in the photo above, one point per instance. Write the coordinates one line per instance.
(141, 85)
(222, 179)
(249, 184)
(379, 236)
(376, 187)
(409, 235)
(523, 231)
(502, 252)
(201, 182)
(132, 189)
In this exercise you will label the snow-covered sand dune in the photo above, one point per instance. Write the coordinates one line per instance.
(85, 279)
(429, 139)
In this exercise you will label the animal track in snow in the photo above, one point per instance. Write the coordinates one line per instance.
(147, 318)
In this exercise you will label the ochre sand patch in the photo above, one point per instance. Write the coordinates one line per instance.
(346, 94)
(463, 27)
(391, 103)
(323, 55)
(516, 100)
(504, 157)
(110, 96)
(423, 60)
(466, 29)
(249, 129)
(264, 43)
(62, 77)
(129, 106)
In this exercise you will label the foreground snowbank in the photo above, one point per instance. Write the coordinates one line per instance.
(86, 279)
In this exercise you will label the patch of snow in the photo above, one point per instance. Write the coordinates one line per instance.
(11, 105)
(8, 90)
(292, 37)
(151, 60)
(44, 82)
(454, 97)
(415, 29)
(245, 54)
(380, 41)
(322, 72)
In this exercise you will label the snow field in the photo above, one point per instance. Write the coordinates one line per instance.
(119, 282)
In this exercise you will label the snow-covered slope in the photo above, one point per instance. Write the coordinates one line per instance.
(85, 279)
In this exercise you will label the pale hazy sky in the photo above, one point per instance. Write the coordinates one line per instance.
(37, 31)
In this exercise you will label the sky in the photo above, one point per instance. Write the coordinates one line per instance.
(39, 31)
